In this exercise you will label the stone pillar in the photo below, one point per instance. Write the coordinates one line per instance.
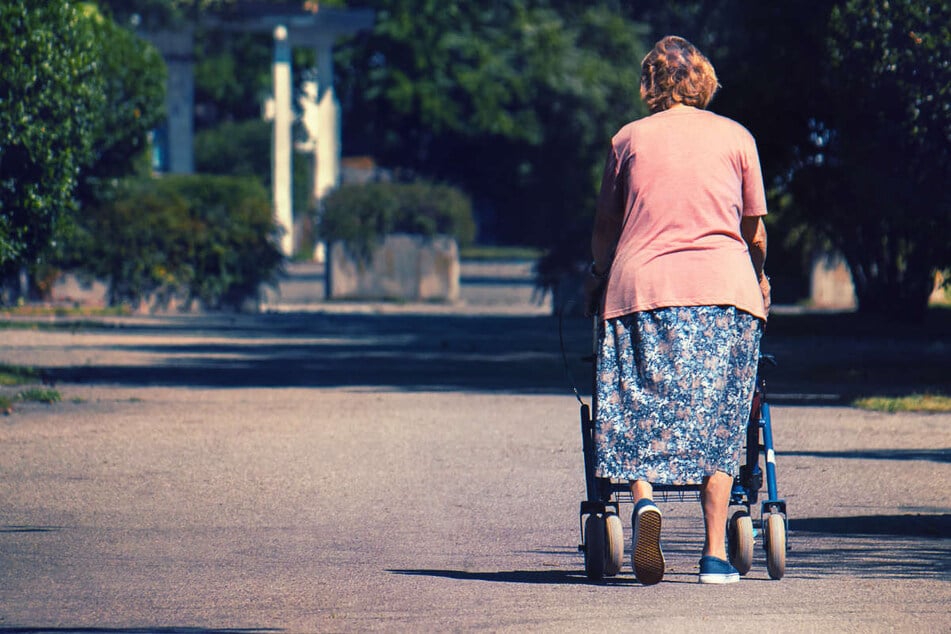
(327, 174)
(178, 141)
(831, 282)
(281, 167)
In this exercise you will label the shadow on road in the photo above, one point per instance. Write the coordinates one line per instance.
(29, 529)
(487, 353)
(937, 526)
(417, 352)
(546, 577)
(932, 455)
(530, 577)
(879, 546)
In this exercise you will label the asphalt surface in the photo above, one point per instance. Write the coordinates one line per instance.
(400, 468)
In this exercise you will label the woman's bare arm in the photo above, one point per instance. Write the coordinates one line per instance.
(607, 218)
(754, 233)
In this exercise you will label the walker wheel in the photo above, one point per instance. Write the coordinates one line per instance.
(740, 541)
(776, 545)
(614, 544)
(594, 547)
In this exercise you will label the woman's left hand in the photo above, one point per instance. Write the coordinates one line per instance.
(766, 290)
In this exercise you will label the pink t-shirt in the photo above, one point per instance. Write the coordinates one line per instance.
(682, 179)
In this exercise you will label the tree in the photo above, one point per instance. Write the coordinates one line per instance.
(50, 95)
(209, 239)
(848, 102)
(514, 101)
(232, 68)
(133, 83)
(876, 179)
(79, 95)
(162, 14)
(768, 57)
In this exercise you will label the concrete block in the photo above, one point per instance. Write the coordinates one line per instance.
(831, 282)
(403, 268)
(70, 288)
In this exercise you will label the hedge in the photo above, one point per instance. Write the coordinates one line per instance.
(209, 239)
(362, 215)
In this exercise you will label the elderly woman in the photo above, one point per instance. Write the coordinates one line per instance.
(679, 246)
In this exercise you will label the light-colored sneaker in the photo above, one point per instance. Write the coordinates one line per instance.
(716, 570)
(646, 554)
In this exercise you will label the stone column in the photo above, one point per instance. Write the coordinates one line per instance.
(327, 175)
(281, 167)
(177, 146)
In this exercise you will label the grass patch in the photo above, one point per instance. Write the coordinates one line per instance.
(68, 326)
(41, 317)
(41, 310)
(29, 395)
(487, 253)
(39, 395)
(17, 375)
(912, 403)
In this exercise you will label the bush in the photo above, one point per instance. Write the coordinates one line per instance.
(243, 148)
(209, 239)
(362, 215)
(235, 148)
(51, 93)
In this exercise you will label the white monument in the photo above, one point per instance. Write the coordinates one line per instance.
(319, 105)
(311, 27)
(281, 149)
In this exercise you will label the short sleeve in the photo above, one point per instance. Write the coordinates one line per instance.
(754, 191)
(610, 200)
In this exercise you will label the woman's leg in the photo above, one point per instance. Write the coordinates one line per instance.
(715, 500)
(647, 557)
(641, 489)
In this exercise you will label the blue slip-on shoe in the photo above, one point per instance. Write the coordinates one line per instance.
(716, 570)
(646, 555)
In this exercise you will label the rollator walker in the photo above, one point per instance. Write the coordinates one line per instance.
(602, 535)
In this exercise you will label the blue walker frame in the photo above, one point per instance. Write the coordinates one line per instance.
(604, 495)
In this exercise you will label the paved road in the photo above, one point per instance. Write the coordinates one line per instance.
(347, 471)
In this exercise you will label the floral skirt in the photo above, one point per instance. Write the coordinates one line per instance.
(675, 386)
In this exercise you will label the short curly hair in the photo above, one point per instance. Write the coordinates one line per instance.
(675, 71)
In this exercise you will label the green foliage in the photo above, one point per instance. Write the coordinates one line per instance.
(236, 248)
(164, 14)
(232, 75)
(240, 148)
(134, 76)
(39, 395)
(912, 403)
(17, 375)
(209, 239)
(362, 215)
(14, 375)
(78, 96)
(51, 93)
(494, 253)
(514, 101)
(768, 56)
(848, 101)
(243, 148)
(875, 179)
